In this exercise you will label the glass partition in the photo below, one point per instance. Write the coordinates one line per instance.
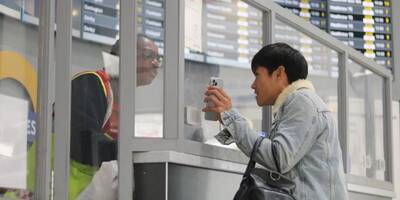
(366, 156)
(220, 39)
(150, 70)
(323, 67)
(95, 86)
(18, 102)
(94, 95)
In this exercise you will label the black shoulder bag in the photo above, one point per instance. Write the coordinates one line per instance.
(261, 184)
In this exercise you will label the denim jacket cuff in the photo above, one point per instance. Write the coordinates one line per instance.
(229, 116)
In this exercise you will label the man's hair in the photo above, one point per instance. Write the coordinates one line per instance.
(280, 54)
(115, 48)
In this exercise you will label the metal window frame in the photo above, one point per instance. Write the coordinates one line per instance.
(268, 38)
(62, 99)
(46, 72)
(173, 84)
(127, 86)
(343, 105)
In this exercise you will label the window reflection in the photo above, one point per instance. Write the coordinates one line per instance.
(366, 135)
(322, 62)
(220, 39)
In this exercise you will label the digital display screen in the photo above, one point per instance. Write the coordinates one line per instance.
(100, 21)
(222, 32)
(314, 11)
(363, 25)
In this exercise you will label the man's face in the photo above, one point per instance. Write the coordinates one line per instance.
(147, 61)
(266, 87)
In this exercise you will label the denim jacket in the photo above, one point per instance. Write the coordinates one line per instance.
(306, 139)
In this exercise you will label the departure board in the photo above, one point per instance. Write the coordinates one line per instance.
(314, 11)
(100, 21)
(362, 24)
(151, 18)
(231, 32)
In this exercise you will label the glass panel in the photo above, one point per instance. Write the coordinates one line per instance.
(18, 102)
(95, 94)
(150, 74)
(220, 39)
(322, 62)
(94, 98)
(366, 136)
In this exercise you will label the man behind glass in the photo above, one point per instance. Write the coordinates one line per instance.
(94, 119)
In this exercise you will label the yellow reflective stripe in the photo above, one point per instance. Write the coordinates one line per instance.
(108, 136)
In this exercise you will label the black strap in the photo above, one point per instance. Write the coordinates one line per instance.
(252, 163)
(274, 155)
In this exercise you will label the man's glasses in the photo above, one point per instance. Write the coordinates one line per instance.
(152, 55)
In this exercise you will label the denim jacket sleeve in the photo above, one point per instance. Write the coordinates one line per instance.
(294, 132)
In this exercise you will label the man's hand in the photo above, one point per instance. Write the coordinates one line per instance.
(219, 98)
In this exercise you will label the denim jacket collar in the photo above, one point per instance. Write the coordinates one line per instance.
(301, 83)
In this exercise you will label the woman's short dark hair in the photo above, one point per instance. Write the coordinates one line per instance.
(281, 54)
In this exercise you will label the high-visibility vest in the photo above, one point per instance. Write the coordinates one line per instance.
(82, 173)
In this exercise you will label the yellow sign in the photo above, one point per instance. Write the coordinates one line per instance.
(15, 66)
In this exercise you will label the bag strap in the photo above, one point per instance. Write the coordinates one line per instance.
(252, 163)
(274, 154)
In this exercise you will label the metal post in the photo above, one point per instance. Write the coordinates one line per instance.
(172, 55)
(388, 129)
(268, 38)
(46, 92)
(127, 86)
(343, 105)
(62, 99)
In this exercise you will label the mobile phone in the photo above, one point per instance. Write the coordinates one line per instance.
(217, 82)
